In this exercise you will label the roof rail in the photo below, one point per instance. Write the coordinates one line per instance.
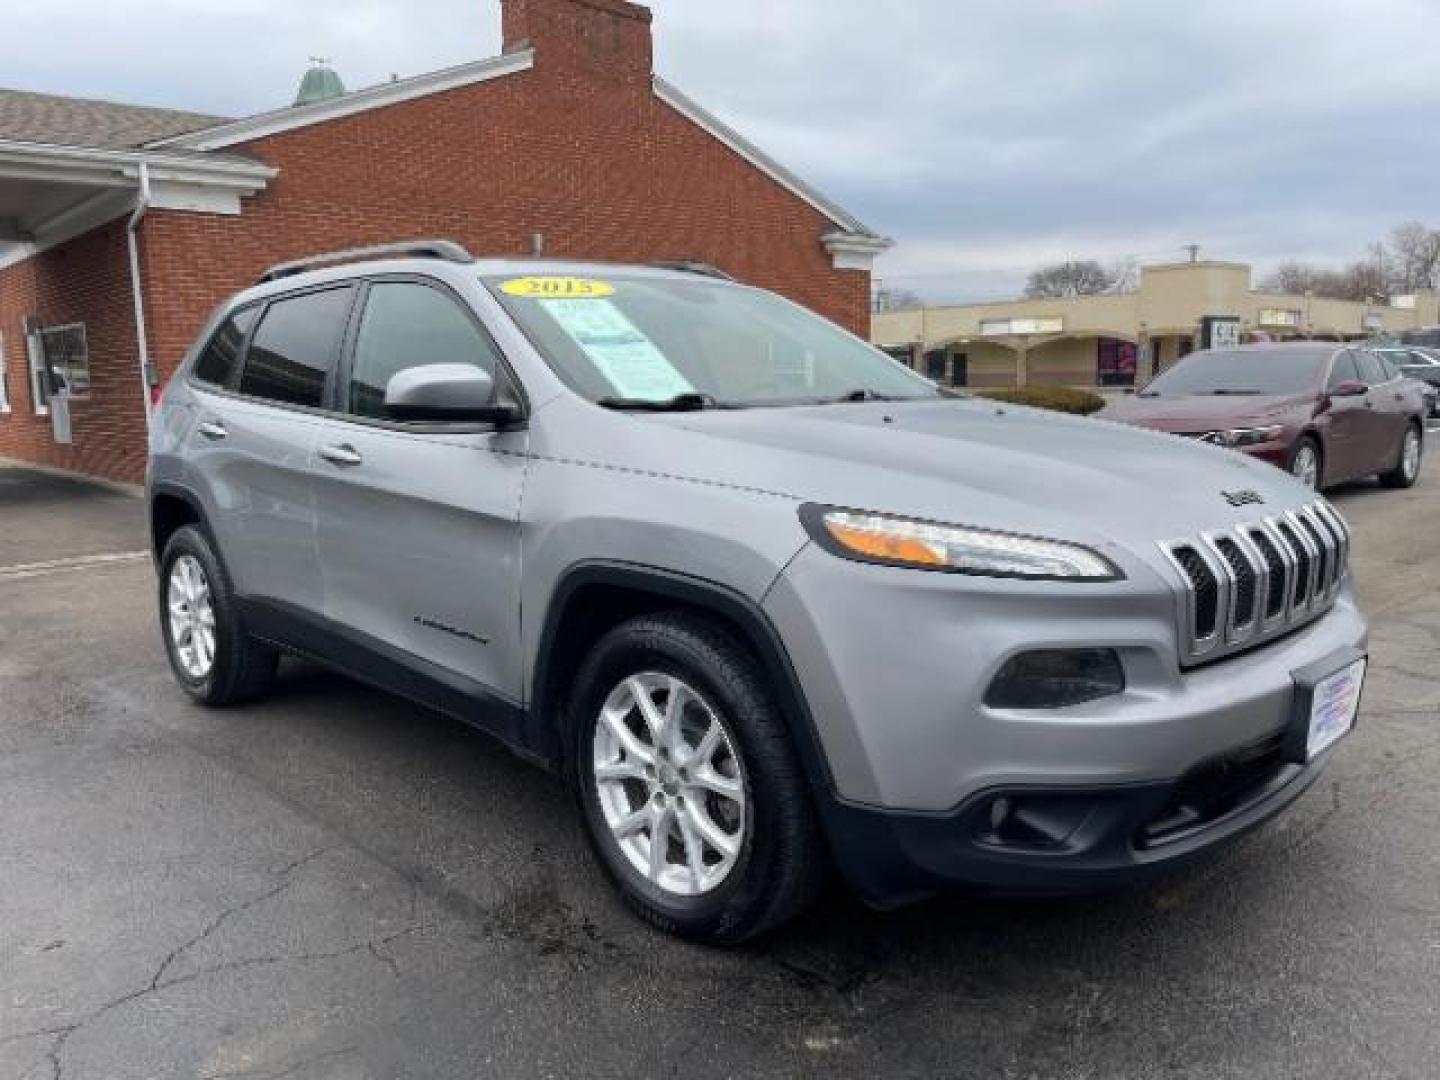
(410, 249)
(686, 266)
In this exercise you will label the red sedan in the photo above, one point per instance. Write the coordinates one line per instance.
(1326, 412)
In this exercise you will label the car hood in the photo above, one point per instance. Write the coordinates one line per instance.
(969, 462)
(1204, 412)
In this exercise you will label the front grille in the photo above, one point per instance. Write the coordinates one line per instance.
(1245, 585)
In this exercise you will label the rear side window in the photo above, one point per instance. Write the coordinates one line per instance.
(294, 349)
(217, 363)
(407, 324)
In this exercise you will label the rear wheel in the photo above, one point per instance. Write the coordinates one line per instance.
(1305, 462)
(691, 793)
(1407, 463)
(213, 658)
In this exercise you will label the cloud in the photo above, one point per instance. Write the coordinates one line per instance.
(986, 136)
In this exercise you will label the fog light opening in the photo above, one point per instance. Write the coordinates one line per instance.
(1055, 678)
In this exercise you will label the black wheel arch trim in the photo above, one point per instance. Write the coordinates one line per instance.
(546, 715)
(171, 489)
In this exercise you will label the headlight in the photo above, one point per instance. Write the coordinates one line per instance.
(893, 541)
(1251, 436)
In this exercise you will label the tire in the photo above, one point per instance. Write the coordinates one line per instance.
(1296, 465)
(1407, 467)
(238, 668)
(780, 863)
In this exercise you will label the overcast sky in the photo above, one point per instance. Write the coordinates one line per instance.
(986, 136)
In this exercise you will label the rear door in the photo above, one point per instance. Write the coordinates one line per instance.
(253, 437)
(418, 522)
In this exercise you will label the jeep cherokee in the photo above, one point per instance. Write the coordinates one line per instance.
(772, 602)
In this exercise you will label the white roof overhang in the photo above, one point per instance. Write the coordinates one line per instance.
(50, 193)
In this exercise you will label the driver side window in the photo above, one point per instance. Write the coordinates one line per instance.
(1343, 371)
(407, 324)
(1371, 370)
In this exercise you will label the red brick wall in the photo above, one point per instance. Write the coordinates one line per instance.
(87, 281)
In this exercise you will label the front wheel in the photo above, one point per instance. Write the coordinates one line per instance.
(1407, 464)
(690, 790)
(1305, 463)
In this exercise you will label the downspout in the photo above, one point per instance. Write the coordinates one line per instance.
(142, 204)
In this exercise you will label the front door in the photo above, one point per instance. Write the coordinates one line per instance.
(418, 522)
(1347, 430)
(1383, 419)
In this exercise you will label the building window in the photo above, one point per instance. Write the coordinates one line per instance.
(1115, 362)
(935, 365)
(959, 369)
(59, 357)
(66, 356)
(4, 374)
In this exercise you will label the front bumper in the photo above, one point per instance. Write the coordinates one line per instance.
(914, 760)
(1087, 840)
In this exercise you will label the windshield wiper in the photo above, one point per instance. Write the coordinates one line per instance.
(1234, 393)
(688, 402)
(867, 395)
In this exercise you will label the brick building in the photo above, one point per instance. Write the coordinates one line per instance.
(121, 227)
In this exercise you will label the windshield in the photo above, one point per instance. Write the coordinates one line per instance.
(628, 340)
(1257, 371)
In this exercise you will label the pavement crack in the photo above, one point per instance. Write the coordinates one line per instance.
(284, 873)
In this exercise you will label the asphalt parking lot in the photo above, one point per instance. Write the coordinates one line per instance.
(334, 884)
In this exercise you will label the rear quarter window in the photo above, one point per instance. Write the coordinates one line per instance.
(217, 362)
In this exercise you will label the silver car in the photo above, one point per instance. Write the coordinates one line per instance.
(775, 605)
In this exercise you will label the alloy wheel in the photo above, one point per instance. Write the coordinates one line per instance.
(1306, 466)
(1410, 455)
(670, 784)
(192, 617)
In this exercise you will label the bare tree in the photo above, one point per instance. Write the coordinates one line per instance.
(1124, 274)
(1074, 277)
(1414, 257)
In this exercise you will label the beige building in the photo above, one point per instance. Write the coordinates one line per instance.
(1119, 340)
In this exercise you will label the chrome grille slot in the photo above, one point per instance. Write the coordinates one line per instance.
(1276, 570)
(1248, 584)
(1243, 577)
(1304, 564)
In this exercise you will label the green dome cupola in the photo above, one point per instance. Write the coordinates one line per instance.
(320, 83)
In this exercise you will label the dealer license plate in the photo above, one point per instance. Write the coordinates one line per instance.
(1333, 705)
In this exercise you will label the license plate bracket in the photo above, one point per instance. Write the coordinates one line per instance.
(1326, 704)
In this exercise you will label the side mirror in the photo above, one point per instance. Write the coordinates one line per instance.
(1350, 388)
(455, 392)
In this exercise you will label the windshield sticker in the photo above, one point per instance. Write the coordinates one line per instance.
(557, 288)
(625, 356)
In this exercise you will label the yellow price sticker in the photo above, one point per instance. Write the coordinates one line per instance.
(557, 288)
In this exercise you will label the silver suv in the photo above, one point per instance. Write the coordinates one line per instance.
(770, 601)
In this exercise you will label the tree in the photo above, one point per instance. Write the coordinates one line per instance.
(1074, 277)
(1414, 257)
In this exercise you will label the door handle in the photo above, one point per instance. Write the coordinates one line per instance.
(344, 454)
(212, 429)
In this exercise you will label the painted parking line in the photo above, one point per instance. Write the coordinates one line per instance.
(19, 571)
